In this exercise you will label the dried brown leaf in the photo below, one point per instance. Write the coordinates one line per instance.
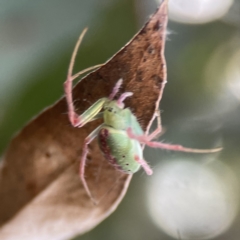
(41, 196)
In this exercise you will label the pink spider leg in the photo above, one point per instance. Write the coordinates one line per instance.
(144, 165)
(72, 115)
(158, 130)
(87, 141)
(145, 140)
(122, 98)
(143, 162)
(116, 89)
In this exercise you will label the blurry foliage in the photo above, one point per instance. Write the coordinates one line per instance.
(188, 52)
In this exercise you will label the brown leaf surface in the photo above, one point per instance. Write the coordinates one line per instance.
(41, 196)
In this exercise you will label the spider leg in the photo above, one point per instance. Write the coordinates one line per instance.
(144, 165)
(145, 140)
(73, 116)
(122, 98)
(115, 89)
(158, 130)
(87, 141)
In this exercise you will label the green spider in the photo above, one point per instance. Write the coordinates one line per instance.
(120, 138)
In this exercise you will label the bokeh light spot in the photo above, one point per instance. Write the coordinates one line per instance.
(193, 200)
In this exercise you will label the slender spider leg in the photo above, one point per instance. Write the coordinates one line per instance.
(73, 116)
(158, 130)
(115, 89)
(87, 141)
(122, 98)
(144, 165)
(145, 140)
(123, 95)
(110, 189)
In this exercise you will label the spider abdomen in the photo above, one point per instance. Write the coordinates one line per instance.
(119, 149)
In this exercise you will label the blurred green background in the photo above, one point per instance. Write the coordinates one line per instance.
(200, 106)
